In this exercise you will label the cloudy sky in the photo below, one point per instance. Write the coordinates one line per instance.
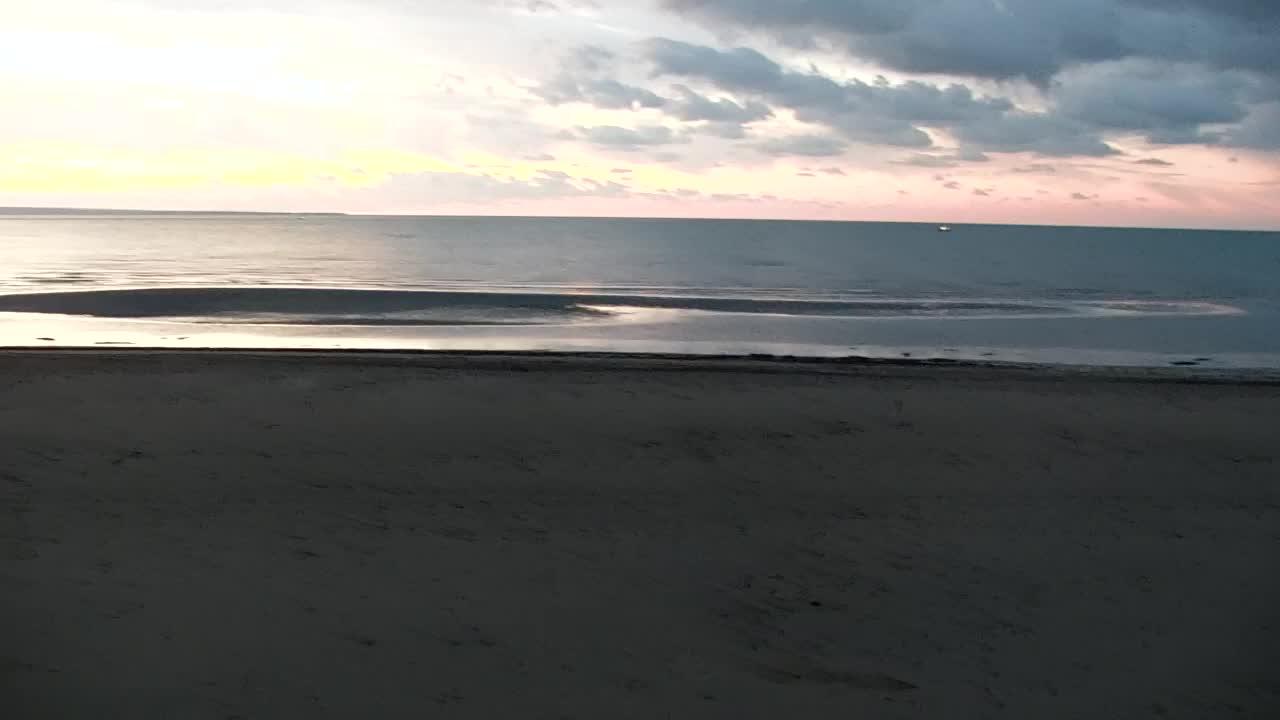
(1115, 112)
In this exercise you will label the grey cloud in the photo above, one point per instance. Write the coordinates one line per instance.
(725, 130)
(880, 112)
(1261, 131)
(1082, 196)
(1183, 104)
(1040, 133)
(832, 171)
(1154, 162)
(591, 58)
(926, 160)
(1168, 105)
(1260, 11)
(802, 146)
(737, 68)
(931, 160)
(1032, 39)
(692, 106)
(951, 185)
(535, 6)
(1182, 136)
(1036, 169)
(628, 139)
(982, 192)
(586, 76)
(602, 92)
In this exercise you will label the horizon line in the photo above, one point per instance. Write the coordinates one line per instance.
(66, 210)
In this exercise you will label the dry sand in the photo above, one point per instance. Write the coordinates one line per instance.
(191, 535)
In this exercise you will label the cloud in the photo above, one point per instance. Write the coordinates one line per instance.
(627, 138)
(1184, 104)
(1261, 131)
(803, 146)
(926, 160)
(1167, 104)
(880, 112)
(877, 113)
(584, 77)
(725, 130)
(1006, 39)
(1082, 196)
(429, 189)
(665, 156)
(1036, 169)
(589, 86)
(931, 160)
(691, 106)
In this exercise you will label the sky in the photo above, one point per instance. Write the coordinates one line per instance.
(1090, 112)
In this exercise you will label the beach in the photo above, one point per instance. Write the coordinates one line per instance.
(243, 535)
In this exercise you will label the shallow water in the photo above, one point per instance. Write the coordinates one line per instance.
(1041, 294)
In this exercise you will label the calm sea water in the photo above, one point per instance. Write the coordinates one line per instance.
(1018, 293)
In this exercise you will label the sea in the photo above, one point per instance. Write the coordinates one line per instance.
(1027, 294)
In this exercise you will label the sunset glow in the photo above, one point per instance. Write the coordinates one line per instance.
(661, 108)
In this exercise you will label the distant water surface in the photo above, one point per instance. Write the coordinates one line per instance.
(1047, 294)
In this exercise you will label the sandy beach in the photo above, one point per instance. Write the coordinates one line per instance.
(239, 535)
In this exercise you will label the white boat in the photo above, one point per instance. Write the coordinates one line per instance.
(944, 228)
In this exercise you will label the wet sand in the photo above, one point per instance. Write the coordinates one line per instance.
(204, 535)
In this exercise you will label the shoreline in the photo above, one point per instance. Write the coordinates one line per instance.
(676, 362)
